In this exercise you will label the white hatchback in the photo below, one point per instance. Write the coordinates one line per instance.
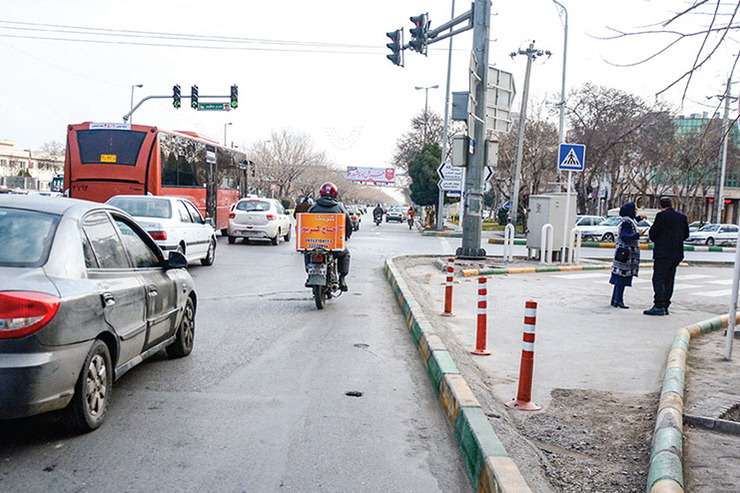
(259, 218)
(174, 223)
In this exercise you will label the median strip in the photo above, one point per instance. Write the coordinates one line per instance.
(643, 246)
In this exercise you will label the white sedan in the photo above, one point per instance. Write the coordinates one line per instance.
(608, 230)
(174, 223)
(710, 234)
(259, 218)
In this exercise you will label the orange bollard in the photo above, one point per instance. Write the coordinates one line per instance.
(523, 400)
(448, 288)
(480, 339)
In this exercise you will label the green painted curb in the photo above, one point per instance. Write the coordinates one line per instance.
(666, 440)
(665, 465)
(673, 381)
(473, 433)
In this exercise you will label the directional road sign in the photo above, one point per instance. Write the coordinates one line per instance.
(450, 185)
(213, 107)
(571, 157)
(488, 175)
(447, 171)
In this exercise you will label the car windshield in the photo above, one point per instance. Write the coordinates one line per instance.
(253, 206)
(25, 237)
(611, 221)
(143, 207)
(709, 228)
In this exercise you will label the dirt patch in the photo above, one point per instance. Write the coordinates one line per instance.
(594, 441)
(732, 414)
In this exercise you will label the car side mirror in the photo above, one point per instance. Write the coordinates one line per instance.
(177, 260)
(209, 221)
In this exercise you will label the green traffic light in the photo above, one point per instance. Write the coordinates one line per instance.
(234, 104)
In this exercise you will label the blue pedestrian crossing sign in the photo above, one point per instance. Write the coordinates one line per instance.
(571, 157)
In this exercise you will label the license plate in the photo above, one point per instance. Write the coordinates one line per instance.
(316, 270)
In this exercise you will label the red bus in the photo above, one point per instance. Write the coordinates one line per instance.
(107, 159)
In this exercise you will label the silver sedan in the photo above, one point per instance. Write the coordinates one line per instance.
(85, 295)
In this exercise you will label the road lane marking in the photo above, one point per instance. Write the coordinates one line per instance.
(722, 282)
(582, 276)
(716, 294)
(691, 277)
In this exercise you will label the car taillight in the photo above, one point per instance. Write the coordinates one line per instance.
(158, 235)
(354, 218)
(232, 215)
(23, 313)
(317, 258)
(271, 217)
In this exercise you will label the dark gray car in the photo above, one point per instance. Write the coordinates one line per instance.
(85, 295)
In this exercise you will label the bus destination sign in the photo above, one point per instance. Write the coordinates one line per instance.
(213, 107)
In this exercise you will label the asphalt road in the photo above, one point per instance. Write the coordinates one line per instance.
(261, 404)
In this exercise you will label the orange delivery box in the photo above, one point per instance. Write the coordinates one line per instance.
(320, 231)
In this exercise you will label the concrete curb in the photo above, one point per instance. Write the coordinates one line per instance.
(489, 466)
(666, 470)
(445, 234)
(643, 246)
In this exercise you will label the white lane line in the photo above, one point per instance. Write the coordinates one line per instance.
(587, 275)
(685, 286)
(716, 294)
(690, 277)
(446, 245)
(722, 282)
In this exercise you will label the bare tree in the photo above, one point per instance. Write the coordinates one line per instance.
(412, 141)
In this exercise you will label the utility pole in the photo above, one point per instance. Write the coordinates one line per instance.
(441, 193)
(514, 202)
(561, 125)
(473, 194)
(719, 201)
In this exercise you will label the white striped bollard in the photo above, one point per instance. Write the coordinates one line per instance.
(523, 400)
(480, 338)
(448, 287)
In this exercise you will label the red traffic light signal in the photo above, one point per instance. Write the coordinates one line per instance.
(396, 46)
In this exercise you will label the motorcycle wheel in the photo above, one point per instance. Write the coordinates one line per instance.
(319, 296)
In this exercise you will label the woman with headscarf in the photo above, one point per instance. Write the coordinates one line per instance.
(627, 255)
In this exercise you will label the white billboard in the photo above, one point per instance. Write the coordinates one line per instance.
(383, 176)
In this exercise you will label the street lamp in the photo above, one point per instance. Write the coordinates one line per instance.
(225, 125)
(426, 105)
(561, 136)
(132, 97)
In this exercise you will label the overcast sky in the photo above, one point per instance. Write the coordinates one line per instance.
(331, 81)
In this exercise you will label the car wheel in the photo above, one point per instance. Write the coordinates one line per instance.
(287, 236)
(232, 240)
(211, 255)
(608, 237)
(89, 405)
(710, 241)
(185, 335)
(275, 239)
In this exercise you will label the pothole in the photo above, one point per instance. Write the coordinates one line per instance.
(353, 393)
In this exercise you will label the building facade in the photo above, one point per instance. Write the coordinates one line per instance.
(27, 169)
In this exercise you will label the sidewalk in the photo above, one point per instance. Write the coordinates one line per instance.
(597, 372)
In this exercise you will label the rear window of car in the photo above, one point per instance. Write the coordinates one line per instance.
(253, 206)
(144, 207)
(25, 237)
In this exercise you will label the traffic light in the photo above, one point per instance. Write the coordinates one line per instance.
(419, 33)
(176, 96)
(194, 97)
(234, 96)
(396, 46)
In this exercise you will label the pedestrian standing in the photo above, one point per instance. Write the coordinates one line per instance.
(627, 255)
(668, 232)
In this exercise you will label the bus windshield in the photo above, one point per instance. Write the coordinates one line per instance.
(109, 146)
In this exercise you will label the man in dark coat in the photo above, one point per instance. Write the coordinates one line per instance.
(328, 204)
(304, 206)
(668, 233)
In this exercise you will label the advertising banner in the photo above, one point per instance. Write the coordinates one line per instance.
(320, 231)
(383, 176)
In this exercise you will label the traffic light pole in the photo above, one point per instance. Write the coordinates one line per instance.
(473, 193)
(128, 115)
(441, 193)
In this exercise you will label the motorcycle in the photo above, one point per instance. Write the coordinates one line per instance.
(411, 222)
(321, 267)
(378, 219)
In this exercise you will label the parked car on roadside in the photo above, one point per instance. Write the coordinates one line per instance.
(713, 234)
(582, 221)
(85, 295)
(608, 230)
(259, 219)
(696, 226)
(174, 223)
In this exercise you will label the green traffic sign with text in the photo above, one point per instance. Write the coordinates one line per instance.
(213, 107)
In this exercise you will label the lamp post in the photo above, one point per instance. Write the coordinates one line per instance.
(225, 125)
(426, 106)
(561, 135)
(132, 98)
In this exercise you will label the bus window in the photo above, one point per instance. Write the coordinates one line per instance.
(183, 162)
(109, 146)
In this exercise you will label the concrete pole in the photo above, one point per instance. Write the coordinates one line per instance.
(132, 98)
(441, 194)
(514, 202)
(723, 160)
(561, 134)
(473, 194)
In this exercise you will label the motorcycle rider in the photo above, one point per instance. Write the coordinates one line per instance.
(327, 203)
(304, 206)
(378, 212)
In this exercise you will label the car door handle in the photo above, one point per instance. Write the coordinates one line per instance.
(152, 291)
(107, 299)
